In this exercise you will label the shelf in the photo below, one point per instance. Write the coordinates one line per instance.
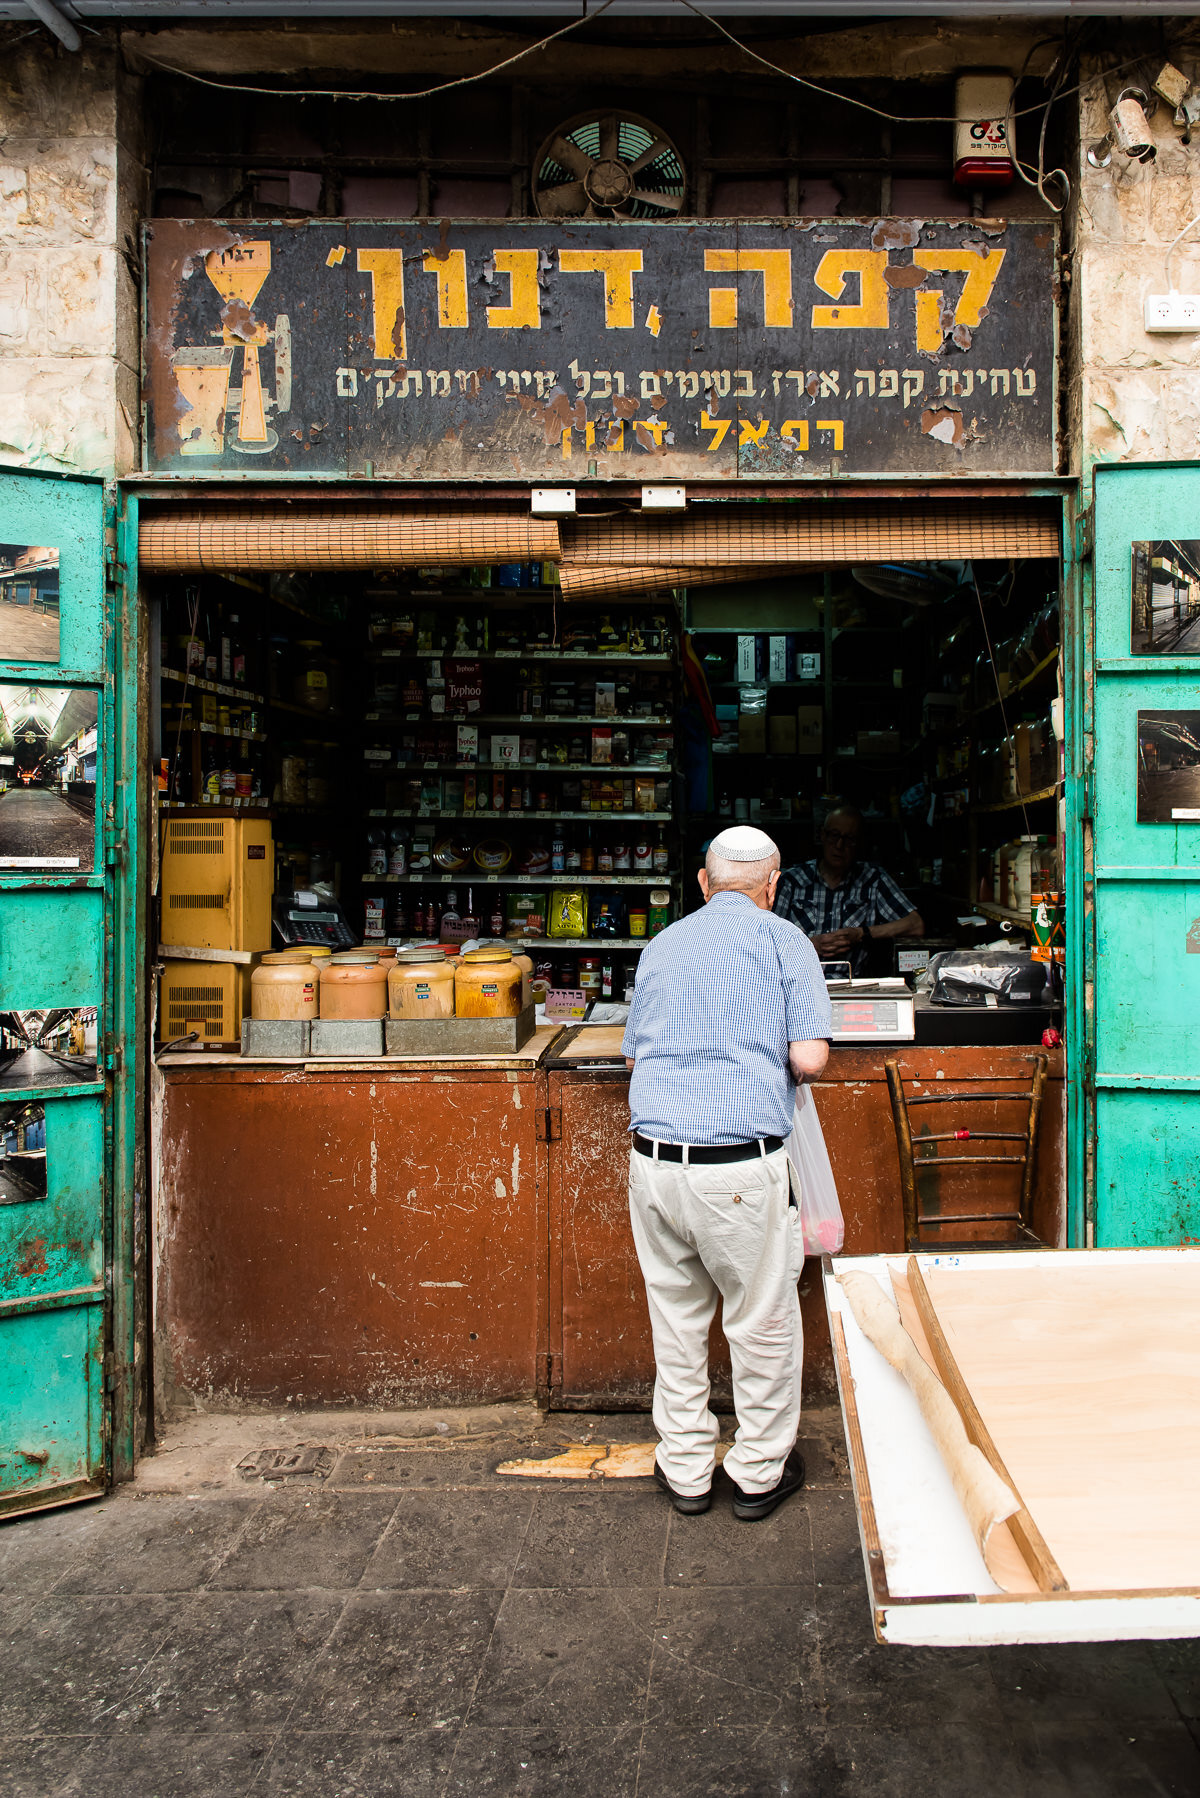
(1027, 681)
(212, 686)
(580, 942)
(1002, 915)
(221, 730)
(610, 768)
(472, 877)
(530, 817)
(1012, 805)
(396, 718)
(223, 805)
(607, 657)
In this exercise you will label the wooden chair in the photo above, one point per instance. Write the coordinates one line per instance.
(912, 1165)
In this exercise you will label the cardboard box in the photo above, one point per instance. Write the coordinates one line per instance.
(466, 747)
(778, 659)
(747, 659)
(781, 734)
(810, 722)
(506, 748)
(808, 664)
(879, 742)
(752, 733)
(601, 743)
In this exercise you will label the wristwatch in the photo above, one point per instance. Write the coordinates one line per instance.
(866, 933)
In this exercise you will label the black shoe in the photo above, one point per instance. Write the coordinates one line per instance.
(750, 1506)
(690, 1504)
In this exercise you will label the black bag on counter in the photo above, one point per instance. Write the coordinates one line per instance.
(991, 977)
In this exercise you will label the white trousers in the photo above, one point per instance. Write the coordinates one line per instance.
(722, 1230)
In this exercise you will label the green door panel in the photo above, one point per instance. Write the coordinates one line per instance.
(1147, 1153)
(51, 948)
(1150, 980)
(56, 932)
(51, 1244)
(51, 1380)
(66, 514)
(1143, 957)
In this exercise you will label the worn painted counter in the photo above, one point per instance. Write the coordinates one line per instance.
(412, 1234)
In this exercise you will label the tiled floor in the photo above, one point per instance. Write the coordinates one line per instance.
(417, 1624)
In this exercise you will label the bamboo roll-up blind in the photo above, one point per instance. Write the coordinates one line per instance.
(587, 581)
(731, 536)
(316, 537)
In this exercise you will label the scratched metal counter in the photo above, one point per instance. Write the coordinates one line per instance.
(412, 1233)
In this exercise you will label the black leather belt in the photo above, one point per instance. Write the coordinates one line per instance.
(730, 1151)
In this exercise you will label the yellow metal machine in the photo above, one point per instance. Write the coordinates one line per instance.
(217, 879)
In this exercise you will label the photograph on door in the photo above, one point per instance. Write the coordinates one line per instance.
(1168, 768)
(22, 1153)
(1165, 613)
(28, 603)
(47, 1048)
(47, 779)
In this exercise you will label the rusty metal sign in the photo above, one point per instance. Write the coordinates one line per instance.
(514, 350)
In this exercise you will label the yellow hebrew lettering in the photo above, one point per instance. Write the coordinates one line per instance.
(450, 271)
(775, 267)
(388, 334)
(618, 268)
(752, 433)
(524, 310)
(795, 429)
(566, 443)
(871, 312)
(720, 426)
(981, 270)
(837, 427)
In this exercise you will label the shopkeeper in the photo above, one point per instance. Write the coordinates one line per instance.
(842, 903)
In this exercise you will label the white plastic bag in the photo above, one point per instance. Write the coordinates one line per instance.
(812, 1179)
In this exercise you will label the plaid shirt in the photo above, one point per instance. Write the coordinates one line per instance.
(867, 896)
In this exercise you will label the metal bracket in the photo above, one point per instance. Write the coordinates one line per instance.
(114, 847)
(549, 1124)
(1085, 534)
(113, 1054)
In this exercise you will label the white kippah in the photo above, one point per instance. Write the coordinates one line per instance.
(742, 843)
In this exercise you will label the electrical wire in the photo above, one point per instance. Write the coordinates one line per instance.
(1190, 226)
(817, 87)
(334, 93)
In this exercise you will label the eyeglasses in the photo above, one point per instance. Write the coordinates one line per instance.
(841, 836)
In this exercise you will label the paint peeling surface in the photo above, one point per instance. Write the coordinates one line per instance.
(626, 351)
(337, 1239)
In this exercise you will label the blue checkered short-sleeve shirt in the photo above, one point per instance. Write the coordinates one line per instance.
(719, 997)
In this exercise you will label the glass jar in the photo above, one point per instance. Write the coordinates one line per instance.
(313, 687)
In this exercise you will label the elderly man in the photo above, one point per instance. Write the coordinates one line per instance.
(730, 1012)
(841, 903)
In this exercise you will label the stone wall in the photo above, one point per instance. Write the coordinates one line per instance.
(1134, 397)
(71, 182)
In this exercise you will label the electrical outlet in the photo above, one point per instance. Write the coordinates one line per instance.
(1173, 312)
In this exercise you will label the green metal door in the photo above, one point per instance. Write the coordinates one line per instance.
(1142, 943)
(62, 1086)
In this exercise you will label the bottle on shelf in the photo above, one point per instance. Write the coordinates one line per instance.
(604, 858)
(496, 919)
(225, 651)
(212, 646)
(377, 854)
(397, 856)
(587, 854)
(643, 854)
(661, 854)
(573, 860)
(237, 652)
(210, 773)
(470, 918)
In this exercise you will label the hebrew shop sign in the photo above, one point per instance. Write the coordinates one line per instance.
(745, 350)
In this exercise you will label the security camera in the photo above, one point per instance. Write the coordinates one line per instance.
(1129, 127)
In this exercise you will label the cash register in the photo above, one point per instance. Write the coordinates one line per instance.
(308, 919)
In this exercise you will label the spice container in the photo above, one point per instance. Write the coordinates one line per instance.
(354, 985)
(487, 984)
(284, 985)
(420, 984)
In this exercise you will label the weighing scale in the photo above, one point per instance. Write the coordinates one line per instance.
(872, 1011)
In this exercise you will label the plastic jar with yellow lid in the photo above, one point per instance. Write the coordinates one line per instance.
(284, 985)
(487, 984)
(353, 985)
(421, 985)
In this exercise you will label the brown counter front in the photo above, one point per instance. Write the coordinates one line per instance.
(395, 1235)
